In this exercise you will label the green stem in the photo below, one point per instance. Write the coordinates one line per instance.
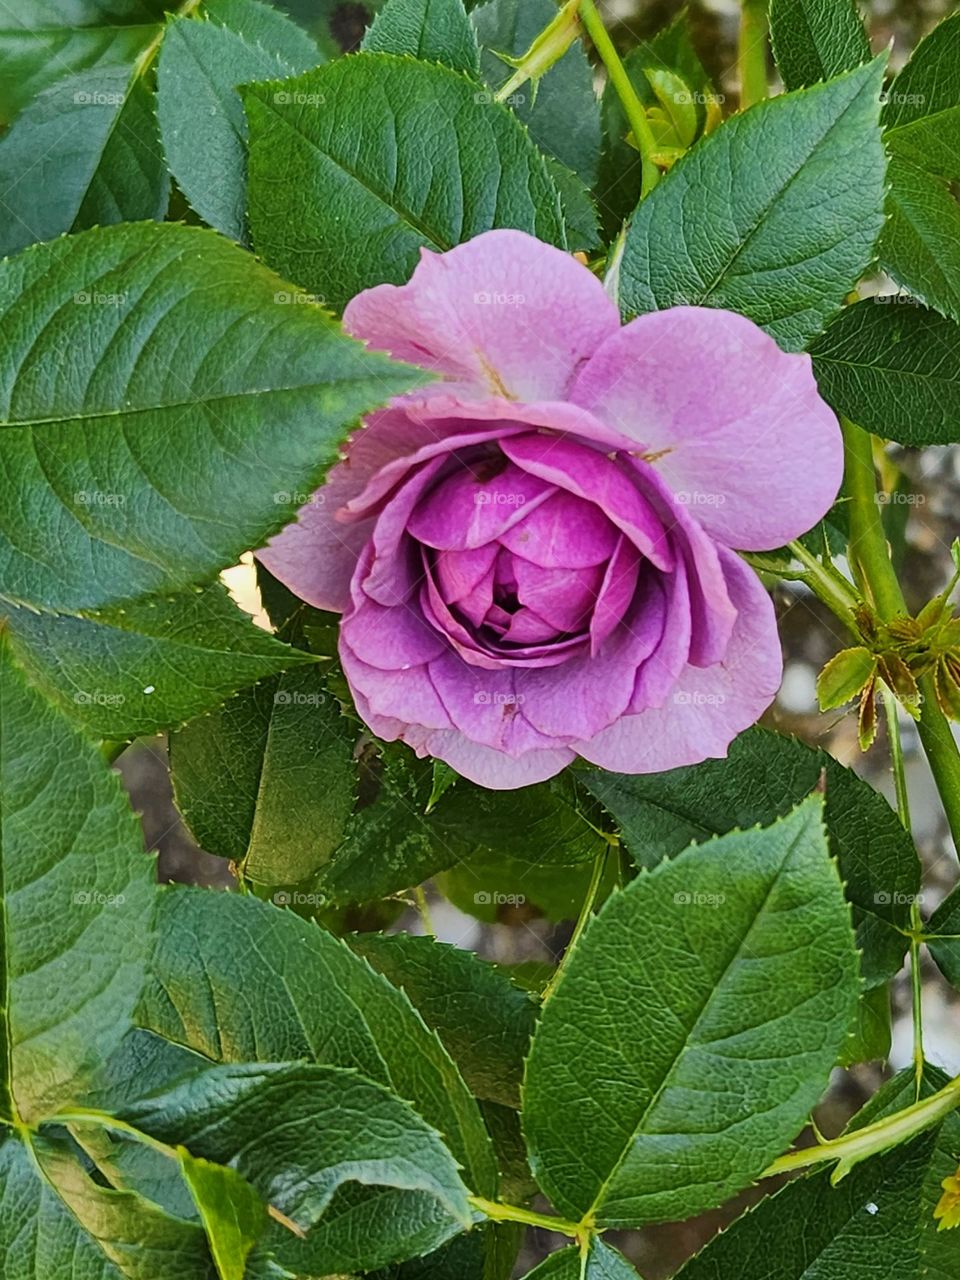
(874, 1138)
(514, 1213)
(186, 10)
(548, 48)
(870, 558)
(586, 910)
(916, 923)
(632, 106)
(828, 584)
(423, 910)
(752, 52)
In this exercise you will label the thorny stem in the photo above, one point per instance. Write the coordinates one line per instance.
(632, 106)
(514, 1213)
(546, 50)
(586, 910)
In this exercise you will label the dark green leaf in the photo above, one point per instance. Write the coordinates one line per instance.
(764, 775)
(241, 981)
(260, 23)
(201, 116)
(84, 154)
(197, 407)
(308, 1137)
(893, 367)
(432, 30)
(872, 1033)
(920, 245)
(796, 206)
(483, 1020)
(495, 887)
(356, 133)
(734, 968)
(816, 39)
(562, 114)
(944, 930)
(78, 902)
(151, 664)
(601, 1263)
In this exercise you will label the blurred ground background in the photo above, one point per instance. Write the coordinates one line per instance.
(931, 520)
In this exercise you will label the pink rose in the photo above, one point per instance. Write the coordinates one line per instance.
(535, 558)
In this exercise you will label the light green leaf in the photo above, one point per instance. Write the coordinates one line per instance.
(151, 664)
(234, 1217)
(308, 1138)
(562, 113)
(483, 1020)
(198, 407)
(259, 22)
(797, 188)
(844, 676)
(59, 1224)
(201, 115)
(892, 366)
(734, 969)
(86, 153)
(762, 777)
(432, 30)
(239, 981)
(816, 39)
(495, 887)
(355, 133)
(600, 1263)
(78, 901)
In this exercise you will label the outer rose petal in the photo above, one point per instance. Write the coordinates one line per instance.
(752, 447)
(710, 705)
(503, 314)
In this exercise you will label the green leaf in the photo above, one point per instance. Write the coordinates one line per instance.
(78, 899)
(735, 970)
(601, 1263)
(234, 1217)
(551, 822)
(85, 153)
(432, 30)
(920, 245)
(240, 981)
(196, 410)
(816, 39)
(763, 776)
(488, 1252)
(928, 87)
(495, 887)
(264, 25)
(671, 50)
(483, 1020)
(877, 1221)
(59, 1223)
(355, 133)
(348, 1134)
(893, 367)
(871, 1036)
(151, 664)
(562, 114)
(796, 208)
(202, 122)
(844, 676)
(944, 940)
(269, 779)
(40, 45)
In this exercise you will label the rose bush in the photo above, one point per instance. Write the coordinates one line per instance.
(535, 557)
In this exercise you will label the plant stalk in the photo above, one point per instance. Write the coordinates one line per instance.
(752, 52)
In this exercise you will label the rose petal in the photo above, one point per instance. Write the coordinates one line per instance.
(462, 512)
(503, 314)
(616, 591)
(486, 706)
(565, 532)
(740, 420)
(565, 597)
(709, 706)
